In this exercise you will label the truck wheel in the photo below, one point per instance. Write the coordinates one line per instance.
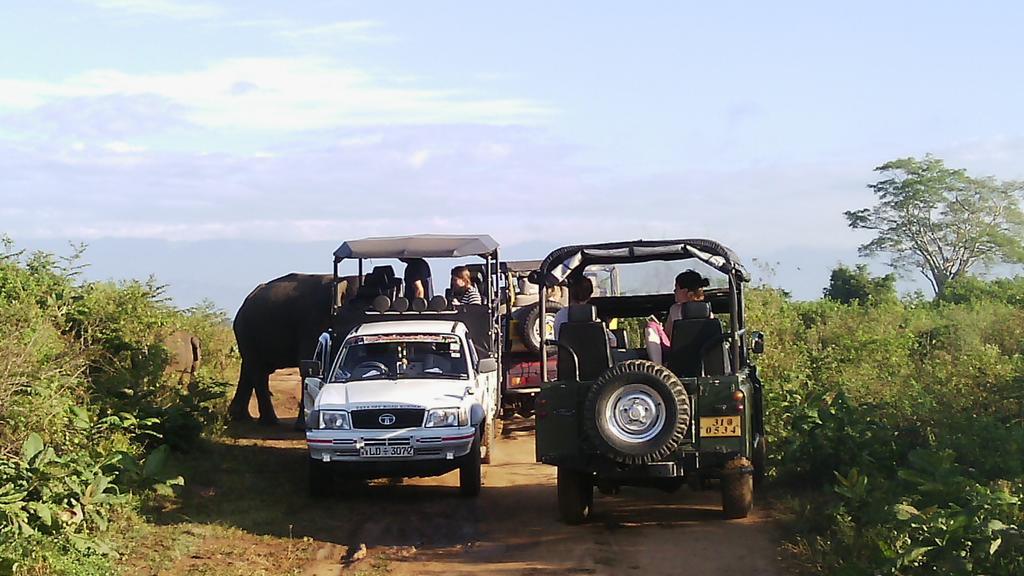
(737, 488)
(469, 472)
(575, 495)
(488, 442)
(637, 412)
(319, 478)
(529, 323)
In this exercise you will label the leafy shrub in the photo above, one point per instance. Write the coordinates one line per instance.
(900, 426)
(88, 416)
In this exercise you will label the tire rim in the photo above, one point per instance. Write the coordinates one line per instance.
(635, 413)
(549, 328)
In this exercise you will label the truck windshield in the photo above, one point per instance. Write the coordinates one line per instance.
(401, 356)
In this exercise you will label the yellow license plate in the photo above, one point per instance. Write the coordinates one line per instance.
(719, 426)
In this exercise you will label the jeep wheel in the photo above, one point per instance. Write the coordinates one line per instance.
(469, 472)
(760, 459)
(529, 324)
(637, 412)
(575, 495)
(319, 478)
(737, 488)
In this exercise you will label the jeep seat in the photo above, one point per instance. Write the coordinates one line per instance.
(376, 283)
(690, 336)
(585, 335)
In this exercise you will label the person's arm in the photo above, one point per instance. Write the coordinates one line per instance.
(674, 313)
(418, 290)
(473, 296)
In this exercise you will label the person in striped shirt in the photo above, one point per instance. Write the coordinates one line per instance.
(463, 290)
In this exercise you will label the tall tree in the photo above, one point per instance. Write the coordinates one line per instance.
(940, 221)
(849, 285)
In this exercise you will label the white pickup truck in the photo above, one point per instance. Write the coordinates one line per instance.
(403, 398)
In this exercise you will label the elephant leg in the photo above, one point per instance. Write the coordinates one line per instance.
(238, 410)
(263, 399)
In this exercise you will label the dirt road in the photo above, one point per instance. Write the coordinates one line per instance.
(422, 526)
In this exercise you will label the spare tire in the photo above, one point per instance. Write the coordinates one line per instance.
(637, 412)
(529, 324)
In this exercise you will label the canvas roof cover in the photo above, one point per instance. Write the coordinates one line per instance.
(418, 246)
(563, 261)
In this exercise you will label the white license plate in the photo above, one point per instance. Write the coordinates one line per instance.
(385, 451)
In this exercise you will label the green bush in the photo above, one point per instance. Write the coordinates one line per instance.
(89, 418)
(899, 426)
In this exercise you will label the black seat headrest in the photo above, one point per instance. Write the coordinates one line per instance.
(385, 271)
(696, 310)
(582, 313)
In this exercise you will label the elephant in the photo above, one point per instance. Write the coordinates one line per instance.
(277, 326)
(184, 353)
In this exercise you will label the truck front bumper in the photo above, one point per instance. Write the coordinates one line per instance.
(364, 446)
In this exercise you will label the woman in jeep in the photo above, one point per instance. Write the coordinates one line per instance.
(689, 287)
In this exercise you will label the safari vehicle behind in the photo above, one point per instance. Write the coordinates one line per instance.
(403, 386)
(523, 327)
(614, 418)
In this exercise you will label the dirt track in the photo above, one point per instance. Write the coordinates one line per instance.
(423, 527)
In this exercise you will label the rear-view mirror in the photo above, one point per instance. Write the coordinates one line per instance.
(309, 368)
(487, 365)
(757, 346)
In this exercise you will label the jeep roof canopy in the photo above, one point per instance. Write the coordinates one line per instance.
(562, 262)
(418, 246)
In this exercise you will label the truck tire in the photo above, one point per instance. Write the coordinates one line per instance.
(637, 412)
(575, 495)
(737, 488)
(319, 478)
(529, 323)
(469, 472)
(488, 441)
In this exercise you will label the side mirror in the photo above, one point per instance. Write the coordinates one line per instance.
(309, 368)
(487, 365)
(757, 346)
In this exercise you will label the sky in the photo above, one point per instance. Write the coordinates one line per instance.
(220, 144)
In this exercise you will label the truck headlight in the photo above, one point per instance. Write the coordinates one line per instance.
(445, 417)
(335, 420)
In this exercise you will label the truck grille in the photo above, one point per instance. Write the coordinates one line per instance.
(403, 418)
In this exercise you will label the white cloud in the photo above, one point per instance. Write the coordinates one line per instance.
(418, 158)
(163, 8)
(124, 147)
(280, 94)
(342, 31)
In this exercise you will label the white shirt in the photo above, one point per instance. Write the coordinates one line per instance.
(562, 316)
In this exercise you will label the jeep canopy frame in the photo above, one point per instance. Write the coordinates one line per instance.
(421, 246)
(563, 262)
(428, 246)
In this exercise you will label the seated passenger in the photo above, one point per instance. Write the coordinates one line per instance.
(689, 287)
(463, 290)
(581, 291)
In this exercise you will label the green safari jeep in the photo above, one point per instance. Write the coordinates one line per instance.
(613, 417)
